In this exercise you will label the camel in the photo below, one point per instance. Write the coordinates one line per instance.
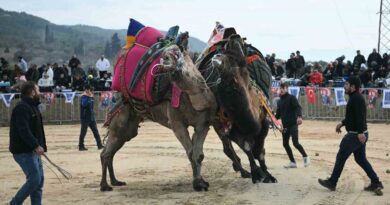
(239, 101)
(197, 109)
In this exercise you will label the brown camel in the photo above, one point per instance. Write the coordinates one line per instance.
(197, 109)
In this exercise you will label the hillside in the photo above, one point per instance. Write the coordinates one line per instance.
(41, 41)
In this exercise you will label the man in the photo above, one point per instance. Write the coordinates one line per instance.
(355, 139)
(291, 67)
(300, 63)
(340, 66)
(22, 64)
(74, 62)
(28, 143)
(271, 64)
(290, 112)
(374, 60)
(102, 65)
(87, 118)
(358, 61)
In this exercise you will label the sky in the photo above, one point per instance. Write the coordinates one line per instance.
(320, 29)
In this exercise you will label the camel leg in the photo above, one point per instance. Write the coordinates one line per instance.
(259, 152)
(247, 146)
(198, 138)
(181, 132)
(231, 153)
(124, 123)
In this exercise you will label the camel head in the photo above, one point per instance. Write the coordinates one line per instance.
(187, 77)
(172, 59)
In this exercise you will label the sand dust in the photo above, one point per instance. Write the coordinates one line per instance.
(156, 170)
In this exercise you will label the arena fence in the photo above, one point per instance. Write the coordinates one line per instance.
(60, 112)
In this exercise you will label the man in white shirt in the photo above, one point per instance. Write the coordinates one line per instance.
(102, 65)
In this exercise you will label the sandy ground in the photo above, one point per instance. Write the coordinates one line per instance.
(156, 170)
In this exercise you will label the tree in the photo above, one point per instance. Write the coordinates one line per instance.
(115, 44)
(107, 50)
(6, 50)
(49, 36)
(79, 49)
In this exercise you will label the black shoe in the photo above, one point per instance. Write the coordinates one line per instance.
(83, 148)
(100, 146)
(374, 186)
(326, 183)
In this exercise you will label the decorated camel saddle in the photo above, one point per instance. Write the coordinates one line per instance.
(135, 71)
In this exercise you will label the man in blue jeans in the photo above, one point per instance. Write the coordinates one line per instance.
(355, 140)
(28, 143)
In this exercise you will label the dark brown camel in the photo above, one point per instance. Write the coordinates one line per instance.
(240, 102)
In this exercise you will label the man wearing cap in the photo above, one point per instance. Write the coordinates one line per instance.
(355, 140)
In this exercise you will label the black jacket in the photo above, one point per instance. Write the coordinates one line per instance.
(26, 127)
(289, 110)
(355, 115)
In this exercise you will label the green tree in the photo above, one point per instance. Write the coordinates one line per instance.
(115, 44)
(107, 50)
(79, 49)
(49, 36)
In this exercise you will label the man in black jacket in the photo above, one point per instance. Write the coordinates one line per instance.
(28, 143)
(355, 139)
(290, 112)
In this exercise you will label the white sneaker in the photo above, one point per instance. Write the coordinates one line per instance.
(306, 161)
(290, 165)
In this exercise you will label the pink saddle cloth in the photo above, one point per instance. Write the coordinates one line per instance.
(127, 63)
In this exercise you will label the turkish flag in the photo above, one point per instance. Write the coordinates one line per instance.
(311, 94)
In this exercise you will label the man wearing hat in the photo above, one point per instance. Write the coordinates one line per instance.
(355, 140)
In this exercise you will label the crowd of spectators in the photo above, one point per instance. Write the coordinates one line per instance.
(53, 77)
(373, 72)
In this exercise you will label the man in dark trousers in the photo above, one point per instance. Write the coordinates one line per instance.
(355, 140)
(290, 112)
(28, 143)
(87, 118)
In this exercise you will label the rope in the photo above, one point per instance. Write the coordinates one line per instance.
(64, 173)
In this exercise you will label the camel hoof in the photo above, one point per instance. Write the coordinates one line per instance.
(118, 183)
(245, 174)
(236, 167)
(257, 175)
(200, 185)
(270, 179)
(105, 188)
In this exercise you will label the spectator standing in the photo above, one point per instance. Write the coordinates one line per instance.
(358, 61)
(74, 62)
(291, 67)
(340, 66)
(300, 63)
(102, 65)
(374, 60)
